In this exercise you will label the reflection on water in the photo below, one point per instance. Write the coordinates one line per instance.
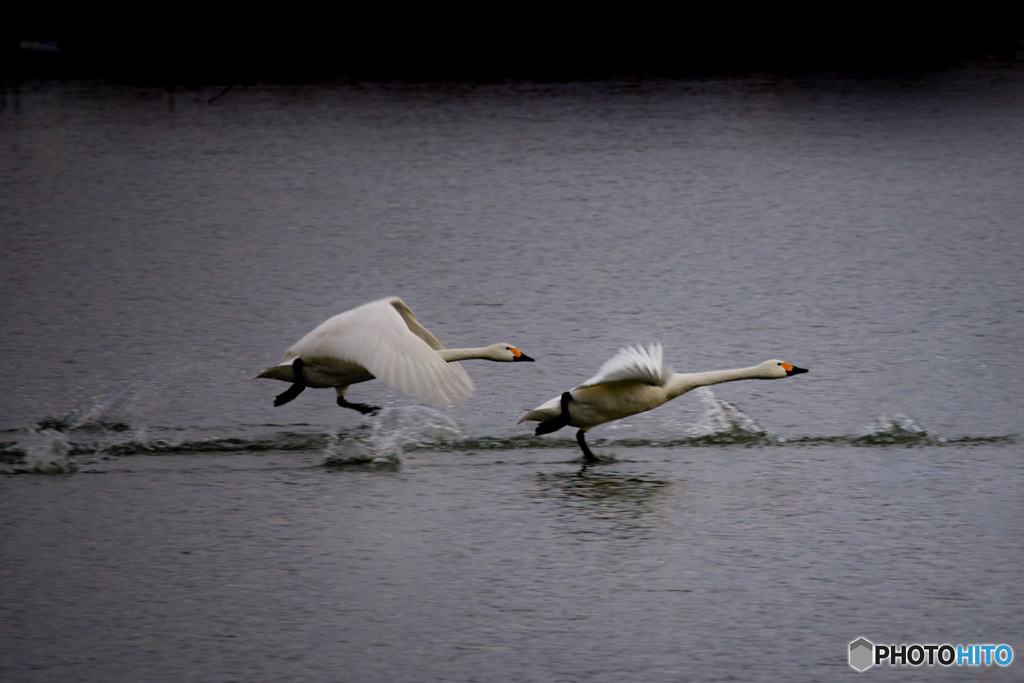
(602, 488)
(600, 503)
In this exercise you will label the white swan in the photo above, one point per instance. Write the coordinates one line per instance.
(634, 381)
(384, 340)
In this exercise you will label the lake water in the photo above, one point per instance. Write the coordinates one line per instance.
(162, 521)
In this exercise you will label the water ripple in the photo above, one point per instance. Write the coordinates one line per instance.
(51, 448)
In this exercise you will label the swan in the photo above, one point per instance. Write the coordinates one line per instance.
(381, 339)
(633, 381)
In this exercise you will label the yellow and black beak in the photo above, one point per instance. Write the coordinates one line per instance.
(793, 370)
(518, 356)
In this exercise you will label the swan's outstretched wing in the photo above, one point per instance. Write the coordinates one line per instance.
(380, 337)
(414, 325)
(633, 364)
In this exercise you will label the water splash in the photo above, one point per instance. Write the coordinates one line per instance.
(390, 434)
(895, 429)
(85, 438)
(47, 452)
(109, 413)
(54, 444)
(724, 423)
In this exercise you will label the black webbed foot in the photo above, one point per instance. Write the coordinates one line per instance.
(296, 388)
(557, 422)
(361, 407)
(289, 395)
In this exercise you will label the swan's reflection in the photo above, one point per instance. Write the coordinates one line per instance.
(625, 505)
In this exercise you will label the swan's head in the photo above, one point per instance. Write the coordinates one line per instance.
(506, 353)
(777, 369)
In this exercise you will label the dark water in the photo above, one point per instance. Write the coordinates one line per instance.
(161, 520)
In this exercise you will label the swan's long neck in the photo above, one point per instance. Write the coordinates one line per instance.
(680, 383)
(452, 355)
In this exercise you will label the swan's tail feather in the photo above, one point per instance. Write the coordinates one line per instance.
(282, 372)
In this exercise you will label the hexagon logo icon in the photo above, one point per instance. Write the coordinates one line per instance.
(862, 653)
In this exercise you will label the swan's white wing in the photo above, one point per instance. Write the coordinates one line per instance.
(414, 325)
(377, 336)
(633, 364)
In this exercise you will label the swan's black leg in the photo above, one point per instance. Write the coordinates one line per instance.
(588, 456)
(296, 388)
(557, 422)
(361, 407)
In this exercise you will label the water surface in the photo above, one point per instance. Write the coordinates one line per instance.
(163, 521)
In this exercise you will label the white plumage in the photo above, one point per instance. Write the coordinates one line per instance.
(633, 381)
(633, 364)
(384, 340)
